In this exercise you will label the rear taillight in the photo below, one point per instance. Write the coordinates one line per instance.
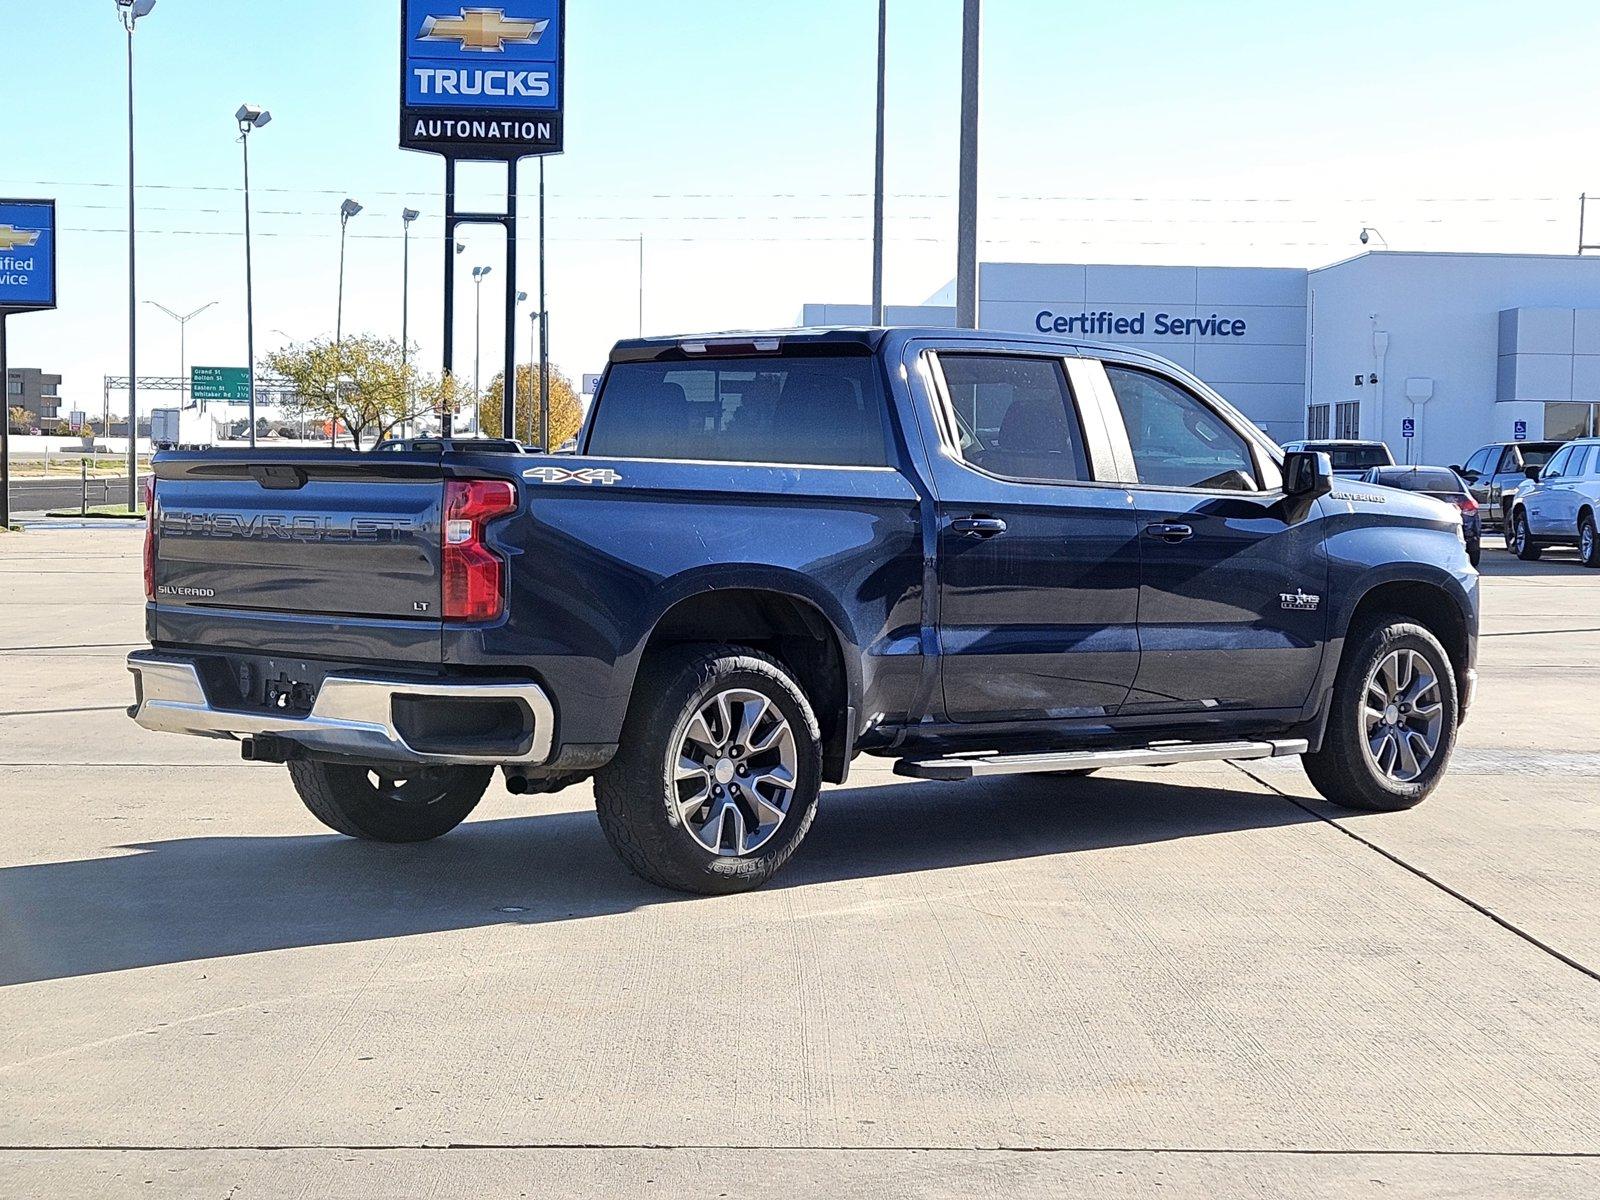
(1466, 504)
(150, 538)
(473, 574)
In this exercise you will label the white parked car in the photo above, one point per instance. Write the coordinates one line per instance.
(1559, 503)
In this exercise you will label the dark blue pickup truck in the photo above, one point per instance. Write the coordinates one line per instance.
(974, 553)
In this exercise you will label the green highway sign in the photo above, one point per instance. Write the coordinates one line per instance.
(220, 383)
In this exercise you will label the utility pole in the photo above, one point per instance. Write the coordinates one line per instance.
(877, 178)
(967, 205)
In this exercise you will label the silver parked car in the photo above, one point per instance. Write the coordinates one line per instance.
(1351, 457)
(1557, 506)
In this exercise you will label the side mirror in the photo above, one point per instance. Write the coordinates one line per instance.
(1307, 473)
(1530, 473)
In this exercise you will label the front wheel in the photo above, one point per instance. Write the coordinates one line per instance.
(389, 804)
(1522, 543)
(1588, 541)
(716, 780)
(1393, 725)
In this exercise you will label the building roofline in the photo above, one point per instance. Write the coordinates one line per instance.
(1448, 254)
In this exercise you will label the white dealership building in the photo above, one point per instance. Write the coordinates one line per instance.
(1467, 348)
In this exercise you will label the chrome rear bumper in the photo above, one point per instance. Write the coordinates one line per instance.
(352, 715)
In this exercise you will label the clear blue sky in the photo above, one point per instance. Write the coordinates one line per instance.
(736, 137)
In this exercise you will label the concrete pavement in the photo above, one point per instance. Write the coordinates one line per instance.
(1181, 982)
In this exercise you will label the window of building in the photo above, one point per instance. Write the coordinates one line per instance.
(1563, 422)
(1016, 416)
(1317, 418)
(798, 410)
(1347, 419)
(1176, 440)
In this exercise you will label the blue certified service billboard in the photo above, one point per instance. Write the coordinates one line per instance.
(27, 255)
(484, 80)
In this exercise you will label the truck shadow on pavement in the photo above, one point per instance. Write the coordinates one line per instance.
(198, 898)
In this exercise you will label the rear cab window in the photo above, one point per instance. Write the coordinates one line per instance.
(796, 410)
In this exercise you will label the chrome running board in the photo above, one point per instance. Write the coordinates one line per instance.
(1157, 754)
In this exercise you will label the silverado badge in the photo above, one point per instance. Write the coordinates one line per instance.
(1298, 601)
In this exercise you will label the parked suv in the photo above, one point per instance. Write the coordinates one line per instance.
(1558, 503)
(978, 554)
(1496, 471)
(1351, 459)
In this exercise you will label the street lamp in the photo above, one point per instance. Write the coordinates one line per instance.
(129, 12)
(407, 215)
(183, 357)
(249, 116)
(1368, 233)
(346, 210)
(478, 274)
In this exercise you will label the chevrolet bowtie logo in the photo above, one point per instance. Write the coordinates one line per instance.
(11, 237)
(486, 30)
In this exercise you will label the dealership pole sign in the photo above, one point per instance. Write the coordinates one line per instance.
(482, 81)
(27, 284)
(27, 255)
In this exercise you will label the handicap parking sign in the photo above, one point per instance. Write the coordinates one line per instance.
(1519, 431)
(1408, 427)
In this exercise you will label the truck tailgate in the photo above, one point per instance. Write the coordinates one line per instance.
(304, 533)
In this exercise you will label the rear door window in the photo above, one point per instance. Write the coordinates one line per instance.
(793, 410)
(1015, 417)
(1178, 441)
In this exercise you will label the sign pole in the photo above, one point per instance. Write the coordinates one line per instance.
(448, 363)
(544, 332)
(508, 394)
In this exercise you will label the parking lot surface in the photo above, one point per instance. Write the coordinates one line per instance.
(1187, 982)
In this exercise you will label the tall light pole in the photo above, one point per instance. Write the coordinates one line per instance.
(249, 116)
(407, 215)
(478, 274)
(129, 12)
(346, 210)
(183, 356)
(967, 204)
(877, 173)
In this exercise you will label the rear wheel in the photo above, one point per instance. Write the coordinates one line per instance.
(401, 803)
(1393, 725)
(1522, 543)
(1588, 541)
(716, 781)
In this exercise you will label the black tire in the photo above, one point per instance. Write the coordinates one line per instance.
(399, 804)
(636, 797)
(1344, 770)
(1075, 773)
(1588, 541)
(1522, 543)
(1475, 554)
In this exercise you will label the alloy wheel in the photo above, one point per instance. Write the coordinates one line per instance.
(734, 773)
(1404, 715)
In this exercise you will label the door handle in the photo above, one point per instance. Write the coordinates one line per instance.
(1169, 532)
(978, 527)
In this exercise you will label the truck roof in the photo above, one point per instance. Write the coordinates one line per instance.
(840, 339)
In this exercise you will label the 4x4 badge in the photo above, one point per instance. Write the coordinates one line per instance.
(601, 475)
(1298, 601)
